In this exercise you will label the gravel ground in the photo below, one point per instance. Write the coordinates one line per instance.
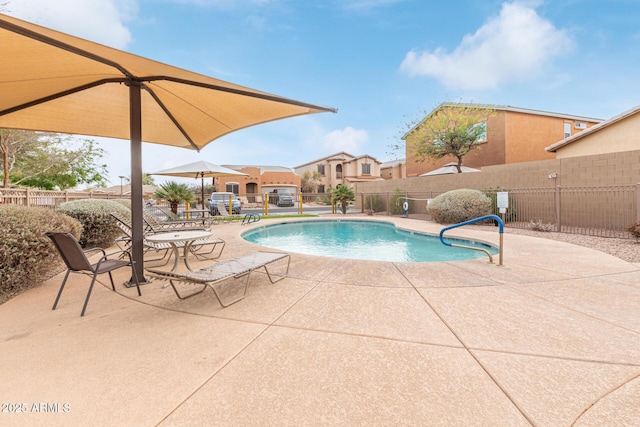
(625, 249)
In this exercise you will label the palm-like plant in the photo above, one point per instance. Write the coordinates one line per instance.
(344, 195)
(175, 194)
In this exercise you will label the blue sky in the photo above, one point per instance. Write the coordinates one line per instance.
(381, 63)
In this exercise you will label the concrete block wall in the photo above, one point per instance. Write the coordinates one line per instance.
(614, 206)
(598, 170)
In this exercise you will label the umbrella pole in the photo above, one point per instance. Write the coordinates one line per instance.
(135, 121)
(202, 189)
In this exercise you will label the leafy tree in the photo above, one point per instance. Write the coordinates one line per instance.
(174, 193)
(343, 194)
(452, 129)
(310, 181)
(49, 160)
(12, 144)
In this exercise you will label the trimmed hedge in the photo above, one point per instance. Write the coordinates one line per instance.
(27, 256)
(99, 227)
(460, 205)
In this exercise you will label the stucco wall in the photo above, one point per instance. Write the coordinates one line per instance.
(527, 136)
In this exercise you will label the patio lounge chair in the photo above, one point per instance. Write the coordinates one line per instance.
(181, 223)
(224, 214)
(124, 242)
(232, 268)
(77, 262)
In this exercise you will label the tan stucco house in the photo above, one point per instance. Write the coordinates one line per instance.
(619, 133)
(513, 135)
(342, 168)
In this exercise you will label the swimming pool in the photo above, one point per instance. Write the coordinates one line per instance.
(359, 239)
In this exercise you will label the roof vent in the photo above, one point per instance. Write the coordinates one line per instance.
(579, 125)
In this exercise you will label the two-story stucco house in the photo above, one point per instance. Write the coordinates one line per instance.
(513, 135)
(342, 168)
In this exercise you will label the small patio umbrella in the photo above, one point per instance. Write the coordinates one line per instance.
(200, 170)
(51, 81)
(450, 168)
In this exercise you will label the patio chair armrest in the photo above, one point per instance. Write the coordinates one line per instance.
(88, 251)
(120, 253)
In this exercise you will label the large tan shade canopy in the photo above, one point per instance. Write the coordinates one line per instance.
(51, 81)
(56, 82)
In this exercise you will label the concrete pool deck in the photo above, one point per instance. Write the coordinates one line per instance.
(552, 338)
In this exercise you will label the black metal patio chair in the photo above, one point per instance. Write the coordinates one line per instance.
(77, 262)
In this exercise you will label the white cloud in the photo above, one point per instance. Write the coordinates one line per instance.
(512, 46)
(101, 21)
(347, 139)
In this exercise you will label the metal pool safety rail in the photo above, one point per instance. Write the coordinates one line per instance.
(249, 218)
(471, 221)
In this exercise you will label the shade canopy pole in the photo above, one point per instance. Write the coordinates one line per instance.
(135, 107)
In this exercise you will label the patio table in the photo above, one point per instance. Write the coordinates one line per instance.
(174, 237)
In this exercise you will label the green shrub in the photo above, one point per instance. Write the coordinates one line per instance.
(27, 256)
(396, 201)
(324, 199)
(459, 205)
(374, 203)
(99, 227)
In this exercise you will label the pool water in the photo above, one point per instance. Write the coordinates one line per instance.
(369, 240)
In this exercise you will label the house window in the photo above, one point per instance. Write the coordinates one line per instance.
(366, 169)
(481, 128)
(321, 169)
(233, 187)
(567, 130)
(320, 188)
(339, 171)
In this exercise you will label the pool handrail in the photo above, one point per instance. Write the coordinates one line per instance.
(472, 221)
(250, 217)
